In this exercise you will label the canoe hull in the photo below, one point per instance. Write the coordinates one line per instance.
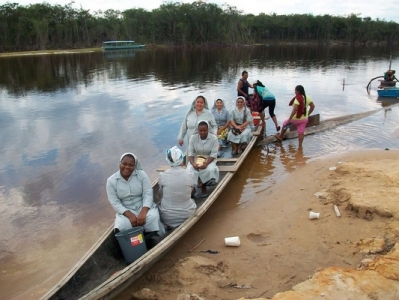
(102, 272)
(322, 126)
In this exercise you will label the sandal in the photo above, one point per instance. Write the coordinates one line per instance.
(278, 138)
(239, 151)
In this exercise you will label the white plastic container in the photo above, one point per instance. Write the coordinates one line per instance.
(314, 215)
(233, 241)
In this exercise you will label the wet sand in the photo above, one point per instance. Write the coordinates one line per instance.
(280, 246)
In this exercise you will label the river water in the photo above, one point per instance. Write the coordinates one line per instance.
(65, 120)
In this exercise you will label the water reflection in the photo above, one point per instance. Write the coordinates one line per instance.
(65, 120)
(387, 101)
(122, 53)
(48, 73)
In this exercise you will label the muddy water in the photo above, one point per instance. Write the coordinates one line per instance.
(65, 119)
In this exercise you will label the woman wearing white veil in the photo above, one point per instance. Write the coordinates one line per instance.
(198, 111)
(176, 185)
(130, 194)
(202, 155)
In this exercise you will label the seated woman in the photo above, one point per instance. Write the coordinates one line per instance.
(222, 118)
(177, 185)
(198, 111)
(240, 132)
(202, 154)
(130, 194)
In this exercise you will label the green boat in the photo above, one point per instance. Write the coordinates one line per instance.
(117, 45)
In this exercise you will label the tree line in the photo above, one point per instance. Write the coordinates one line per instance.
(44, 26)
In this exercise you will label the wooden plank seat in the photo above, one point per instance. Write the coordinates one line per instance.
(221, 168)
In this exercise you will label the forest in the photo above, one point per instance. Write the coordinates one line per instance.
(44, 26)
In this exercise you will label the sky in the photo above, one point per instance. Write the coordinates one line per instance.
(383, 10)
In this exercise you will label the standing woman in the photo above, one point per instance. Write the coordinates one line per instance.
(222, 118)
(198, 111)
(240, 122)
(302, 107)
(267, 99)
(202, 154)
(130, 194)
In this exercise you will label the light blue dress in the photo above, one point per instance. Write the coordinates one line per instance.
(190, 122)
(221, 119)
(238, 117)
(133, 195)
(207, 147)
(176, 204)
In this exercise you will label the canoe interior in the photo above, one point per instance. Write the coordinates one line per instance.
(104, 262)
(102, 272)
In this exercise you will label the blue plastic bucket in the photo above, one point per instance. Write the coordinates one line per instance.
(132, 243)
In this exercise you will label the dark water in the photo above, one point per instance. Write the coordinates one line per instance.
(66, 119)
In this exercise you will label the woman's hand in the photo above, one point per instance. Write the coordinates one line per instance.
(142, 216)
(195, 166)
(219, 131)
(181, 143)
(132, 218)
(203, 166)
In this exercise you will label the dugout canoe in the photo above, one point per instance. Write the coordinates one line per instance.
(102, 273)
(316, 126)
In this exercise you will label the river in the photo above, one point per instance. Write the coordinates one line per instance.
(66, 119)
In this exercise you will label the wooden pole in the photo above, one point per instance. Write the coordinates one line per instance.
(197, 246)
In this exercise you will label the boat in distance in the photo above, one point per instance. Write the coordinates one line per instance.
(387, 87)
(102, 272)
(388, 91)
(118, 45)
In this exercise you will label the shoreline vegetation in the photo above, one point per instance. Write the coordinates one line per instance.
(199, 24)
(202, 46)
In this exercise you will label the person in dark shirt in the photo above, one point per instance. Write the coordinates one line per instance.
(243, 85)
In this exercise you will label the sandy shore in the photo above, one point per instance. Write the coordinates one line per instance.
(282, 249)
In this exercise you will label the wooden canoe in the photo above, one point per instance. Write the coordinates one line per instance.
(318, 126)
(102, 272)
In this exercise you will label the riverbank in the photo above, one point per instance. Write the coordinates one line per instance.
(330, 43)
(282, 249)
(49, 52)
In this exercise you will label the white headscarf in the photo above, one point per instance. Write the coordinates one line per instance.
(214, 108)
(195, 100)
(203, 121)
(174, 156)
(137, 165)
(240, 97)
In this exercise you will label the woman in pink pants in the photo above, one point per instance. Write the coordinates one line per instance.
(302, 107)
